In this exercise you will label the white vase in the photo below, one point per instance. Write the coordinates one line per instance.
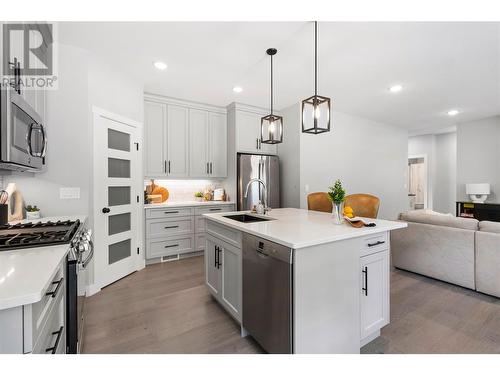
(32, 215)
(338, 213)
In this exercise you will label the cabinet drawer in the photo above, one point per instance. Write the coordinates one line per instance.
(156, 228)
(37, 314)
(231, 236)
(199, 241)
(157, 213)
(175, 245)
(52, 339)
(374, 243)
(213, 209)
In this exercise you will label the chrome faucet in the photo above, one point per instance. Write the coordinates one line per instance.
(266, 208)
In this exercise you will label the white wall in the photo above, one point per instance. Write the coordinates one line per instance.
(445, 186)
(478, 155)
(289, 154)
(368, 157)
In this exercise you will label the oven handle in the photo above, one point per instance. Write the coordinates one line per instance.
(40, 154)
(90, 256)
(44, 134)
(28, 140)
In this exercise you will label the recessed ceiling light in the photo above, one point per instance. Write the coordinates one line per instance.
(160, 65)
(395, 88)
(237, 89)
(452, 112)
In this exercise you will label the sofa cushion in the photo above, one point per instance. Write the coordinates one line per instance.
(489, 226)
(441, 220)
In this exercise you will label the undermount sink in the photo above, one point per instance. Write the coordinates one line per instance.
(245, 218)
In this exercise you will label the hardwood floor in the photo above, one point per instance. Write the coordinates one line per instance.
(166, 308)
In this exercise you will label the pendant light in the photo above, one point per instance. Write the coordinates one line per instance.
(271, 126)
(316, 109)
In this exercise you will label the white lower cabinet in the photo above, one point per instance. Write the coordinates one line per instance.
(223, 271)
(38, 328)
(172, 232)
(374, 296)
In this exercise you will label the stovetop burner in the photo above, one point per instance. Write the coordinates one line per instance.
(26, 235)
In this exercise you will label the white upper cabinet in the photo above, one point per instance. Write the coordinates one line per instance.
(198, 143)
(184, 139)
(177, 141)
(218, 144)
(155, 127)
(247, 125)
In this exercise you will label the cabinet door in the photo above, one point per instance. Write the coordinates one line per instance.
(198, 143)
(155, 122)
(374, 292)
(177, 141)
(218, 145)
(231, 279)
(212, 268)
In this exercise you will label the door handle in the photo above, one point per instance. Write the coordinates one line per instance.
(168, 246)
(215, 257)
(219, 263)
(171, 212)
(169, 169)
(172, 227)
(165, 166)
(210, 167)
(106, 210)
(365, 289)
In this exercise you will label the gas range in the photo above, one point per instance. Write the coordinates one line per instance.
(28, 235)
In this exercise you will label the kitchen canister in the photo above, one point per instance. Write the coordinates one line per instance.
(4, 214)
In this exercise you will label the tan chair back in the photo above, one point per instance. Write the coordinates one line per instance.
(364, 205)
(319, 202)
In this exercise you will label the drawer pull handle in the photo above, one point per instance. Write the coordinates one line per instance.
(172, 226)
(171, 212)
(53, 349)
(54, 292)
(215, 209)
(167, 246)
(376, 243)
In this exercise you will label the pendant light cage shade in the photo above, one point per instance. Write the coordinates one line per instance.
(271, 129)
(316, 115)
(316, 109)
(271, 126)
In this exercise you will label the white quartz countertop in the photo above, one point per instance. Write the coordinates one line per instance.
(297, 228)
(25, 274)
(186, 204)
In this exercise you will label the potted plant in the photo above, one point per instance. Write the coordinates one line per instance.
(32, 212)
(337, 196)
(199, 196)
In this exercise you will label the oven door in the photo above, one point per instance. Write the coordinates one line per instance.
(26, 134)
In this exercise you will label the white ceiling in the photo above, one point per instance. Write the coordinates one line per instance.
(440, 65)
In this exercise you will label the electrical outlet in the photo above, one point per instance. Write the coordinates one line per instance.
(69, 193)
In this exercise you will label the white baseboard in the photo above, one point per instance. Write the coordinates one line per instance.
(370, 338)
(92, 289)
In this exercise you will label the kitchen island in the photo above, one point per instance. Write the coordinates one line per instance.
(339, 278)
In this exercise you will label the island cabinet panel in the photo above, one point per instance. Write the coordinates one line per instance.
(223, 274)
(326, 298)
(374, 293)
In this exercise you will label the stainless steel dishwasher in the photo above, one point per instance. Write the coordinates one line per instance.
(268, 293)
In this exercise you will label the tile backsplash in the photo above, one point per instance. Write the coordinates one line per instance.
(183, 190)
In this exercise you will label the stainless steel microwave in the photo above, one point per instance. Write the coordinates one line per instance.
(23, 137)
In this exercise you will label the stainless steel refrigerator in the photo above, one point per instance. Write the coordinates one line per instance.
(265, 167)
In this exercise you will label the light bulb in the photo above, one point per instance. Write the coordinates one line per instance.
(271, 127)
(317, 112)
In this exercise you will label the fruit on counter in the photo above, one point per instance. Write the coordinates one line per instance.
(348, 211)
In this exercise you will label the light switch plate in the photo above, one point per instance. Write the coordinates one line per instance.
(69, 193)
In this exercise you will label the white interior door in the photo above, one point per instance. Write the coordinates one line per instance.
(117, 189)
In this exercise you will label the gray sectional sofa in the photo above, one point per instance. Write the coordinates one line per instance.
(460, 251)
